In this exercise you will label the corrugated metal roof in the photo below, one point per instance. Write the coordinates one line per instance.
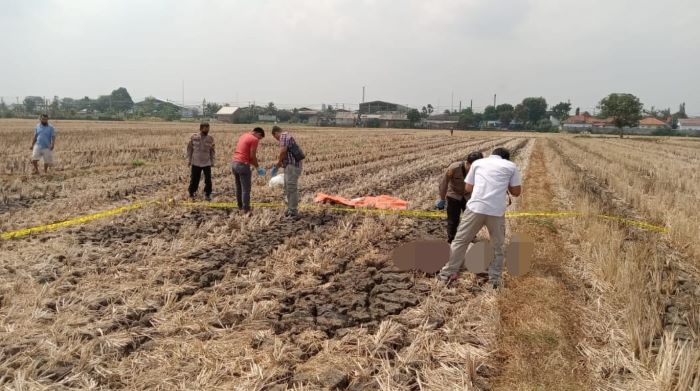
(227, 110)
(443, 117)
(386, 117)
(689, 121)
(345, 115)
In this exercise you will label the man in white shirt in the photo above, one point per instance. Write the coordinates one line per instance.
(489, 181)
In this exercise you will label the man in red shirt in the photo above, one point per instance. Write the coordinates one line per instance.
(244, 157)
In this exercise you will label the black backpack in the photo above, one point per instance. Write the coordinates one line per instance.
(296, 152)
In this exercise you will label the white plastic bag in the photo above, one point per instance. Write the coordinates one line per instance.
(277, 181)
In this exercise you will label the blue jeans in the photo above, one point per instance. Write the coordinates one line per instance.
(243, 177)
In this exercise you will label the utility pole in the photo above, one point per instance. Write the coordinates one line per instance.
(363, 94)
(452, 102)
(494, 100)
(471, 104)
(460, 106)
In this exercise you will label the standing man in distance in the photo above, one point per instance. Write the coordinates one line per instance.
(290, 157)
(489, 181)
(200, 157)
(244, 156)
(43, 143)
(453, 192)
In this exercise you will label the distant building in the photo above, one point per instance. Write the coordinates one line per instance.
(305, 114)
(345, 118)
(492, 124)
(652, 123)
(441, 121)
(585, 121)
(378, 107)
(267, 118)
(188, 111)
(555, 121)
(386, 120)
(151, 105)
(689, 126)
(227, 114)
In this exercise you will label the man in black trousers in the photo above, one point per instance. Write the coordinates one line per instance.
(453, 193)
(200, 157)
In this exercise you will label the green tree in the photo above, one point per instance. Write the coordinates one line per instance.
(544, 125)
(85, 103)
(466, 119)
(29, 105)
(430, 109)
(54, 108)
(505, 113)
(271, 109)
(520, 113)
(211, 108)
(561, 111)
(413, 116)
(4, 110)
(478, 119)
(424, 112)
(103, 104)
(68, 104)
(681, 111)
(624, 109)
(120, 100)
(284, 115)
(536, 109)
(490, 113)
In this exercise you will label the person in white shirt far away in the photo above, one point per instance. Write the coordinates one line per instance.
(489, 181)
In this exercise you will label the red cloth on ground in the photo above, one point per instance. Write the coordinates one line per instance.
(379, 202)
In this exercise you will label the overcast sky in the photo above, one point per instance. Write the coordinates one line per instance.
(305, 52)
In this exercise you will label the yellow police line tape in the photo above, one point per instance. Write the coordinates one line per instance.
(228, 205)
(67, 223)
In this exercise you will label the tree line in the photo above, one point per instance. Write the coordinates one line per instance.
(532, 113)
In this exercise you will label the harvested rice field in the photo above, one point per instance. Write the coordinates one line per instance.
(178, 296)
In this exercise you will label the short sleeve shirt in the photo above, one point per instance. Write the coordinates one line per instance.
(44, 135)
(245, 145)
(491, 178)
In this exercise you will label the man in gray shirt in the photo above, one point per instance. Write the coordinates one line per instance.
(200, 157)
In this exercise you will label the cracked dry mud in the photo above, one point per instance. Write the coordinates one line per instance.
(356, 296)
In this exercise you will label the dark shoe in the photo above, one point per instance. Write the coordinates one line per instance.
(497, 285)
(207, 197)
(192, 197)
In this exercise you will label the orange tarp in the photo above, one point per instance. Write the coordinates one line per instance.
(379, 202)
